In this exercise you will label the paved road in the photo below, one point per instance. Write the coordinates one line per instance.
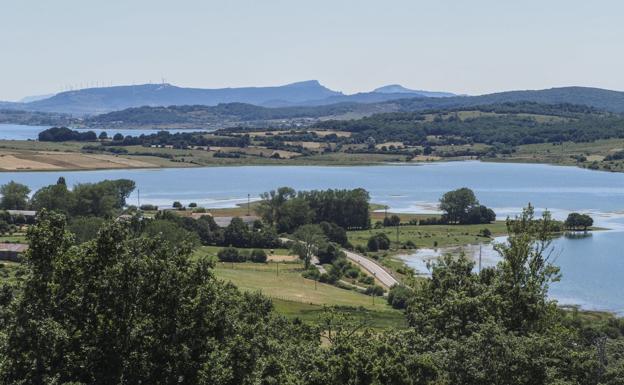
(372, 267)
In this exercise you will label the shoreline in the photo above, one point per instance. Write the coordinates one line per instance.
(287, 163)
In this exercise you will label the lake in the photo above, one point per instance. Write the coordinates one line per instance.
(22, 132)
(592, 267)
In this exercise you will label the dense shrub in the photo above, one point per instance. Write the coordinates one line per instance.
(378, 242)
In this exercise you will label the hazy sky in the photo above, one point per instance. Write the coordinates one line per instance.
(465, 46)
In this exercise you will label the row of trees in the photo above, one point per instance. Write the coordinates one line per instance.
(102, 199)
(287, 209)
(122, 309)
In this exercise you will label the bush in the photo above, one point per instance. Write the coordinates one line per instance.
(329, 253)
(375, 290)
(230, 254)
(192, 205)
(378, 242)
(149, 207)
(258, 256)
(352, 272)
(392, 221)
(485, 233)
(334, 233)
(314, 274)
(398, 296)
(360, 249)
(366, 280)
(177, 205)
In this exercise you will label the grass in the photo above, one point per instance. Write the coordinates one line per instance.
(430, 235)
(15, 238)
(10, 272)
(289, 285)
(310, 313)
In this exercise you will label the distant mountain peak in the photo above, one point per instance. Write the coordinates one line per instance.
(399, 89)
(394, 89)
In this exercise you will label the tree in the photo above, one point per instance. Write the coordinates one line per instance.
(171, 232)
(334, 233)
(456, 204)
(398, 296)
(576, 221)
(258, 256)
(393, 220)
(308, 240)
(103, 135)
(85, 228)
(14, 196)
(54, 197)
(230, 254)
(236, 233)
(271, 203)
(177, 205)
(118, 137)
(379, 241)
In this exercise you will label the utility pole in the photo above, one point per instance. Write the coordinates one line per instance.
(138, 199)
(479, 258)
(248, 203)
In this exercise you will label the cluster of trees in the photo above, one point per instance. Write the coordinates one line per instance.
(576, 221)
(125, 309)
(232, 254)
(287, 209)
(461, 206)
(64, 134)
(205, 231)
(102, 199)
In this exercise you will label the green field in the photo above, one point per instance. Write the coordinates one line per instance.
(430, 235)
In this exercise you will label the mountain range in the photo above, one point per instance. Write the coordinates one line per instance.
(165, 105)
(91, 101)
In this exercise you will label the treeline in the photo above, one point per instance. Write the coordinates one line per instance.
(512, 125)
(64, 134)
(204, 230)
(287, 209)
(179, 140)
(200, 114)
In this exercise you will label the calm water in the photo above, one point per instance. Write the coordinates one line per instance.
(21, 132)
(592, 267)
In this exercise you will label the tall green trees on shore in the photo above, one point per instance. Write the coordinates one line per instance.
(287, 209)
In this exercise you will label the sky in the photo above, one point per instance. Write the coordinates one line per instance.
(468, 47)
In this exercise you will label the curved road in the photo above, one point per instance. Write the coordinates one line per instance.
(372, 267)
(366, 263)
